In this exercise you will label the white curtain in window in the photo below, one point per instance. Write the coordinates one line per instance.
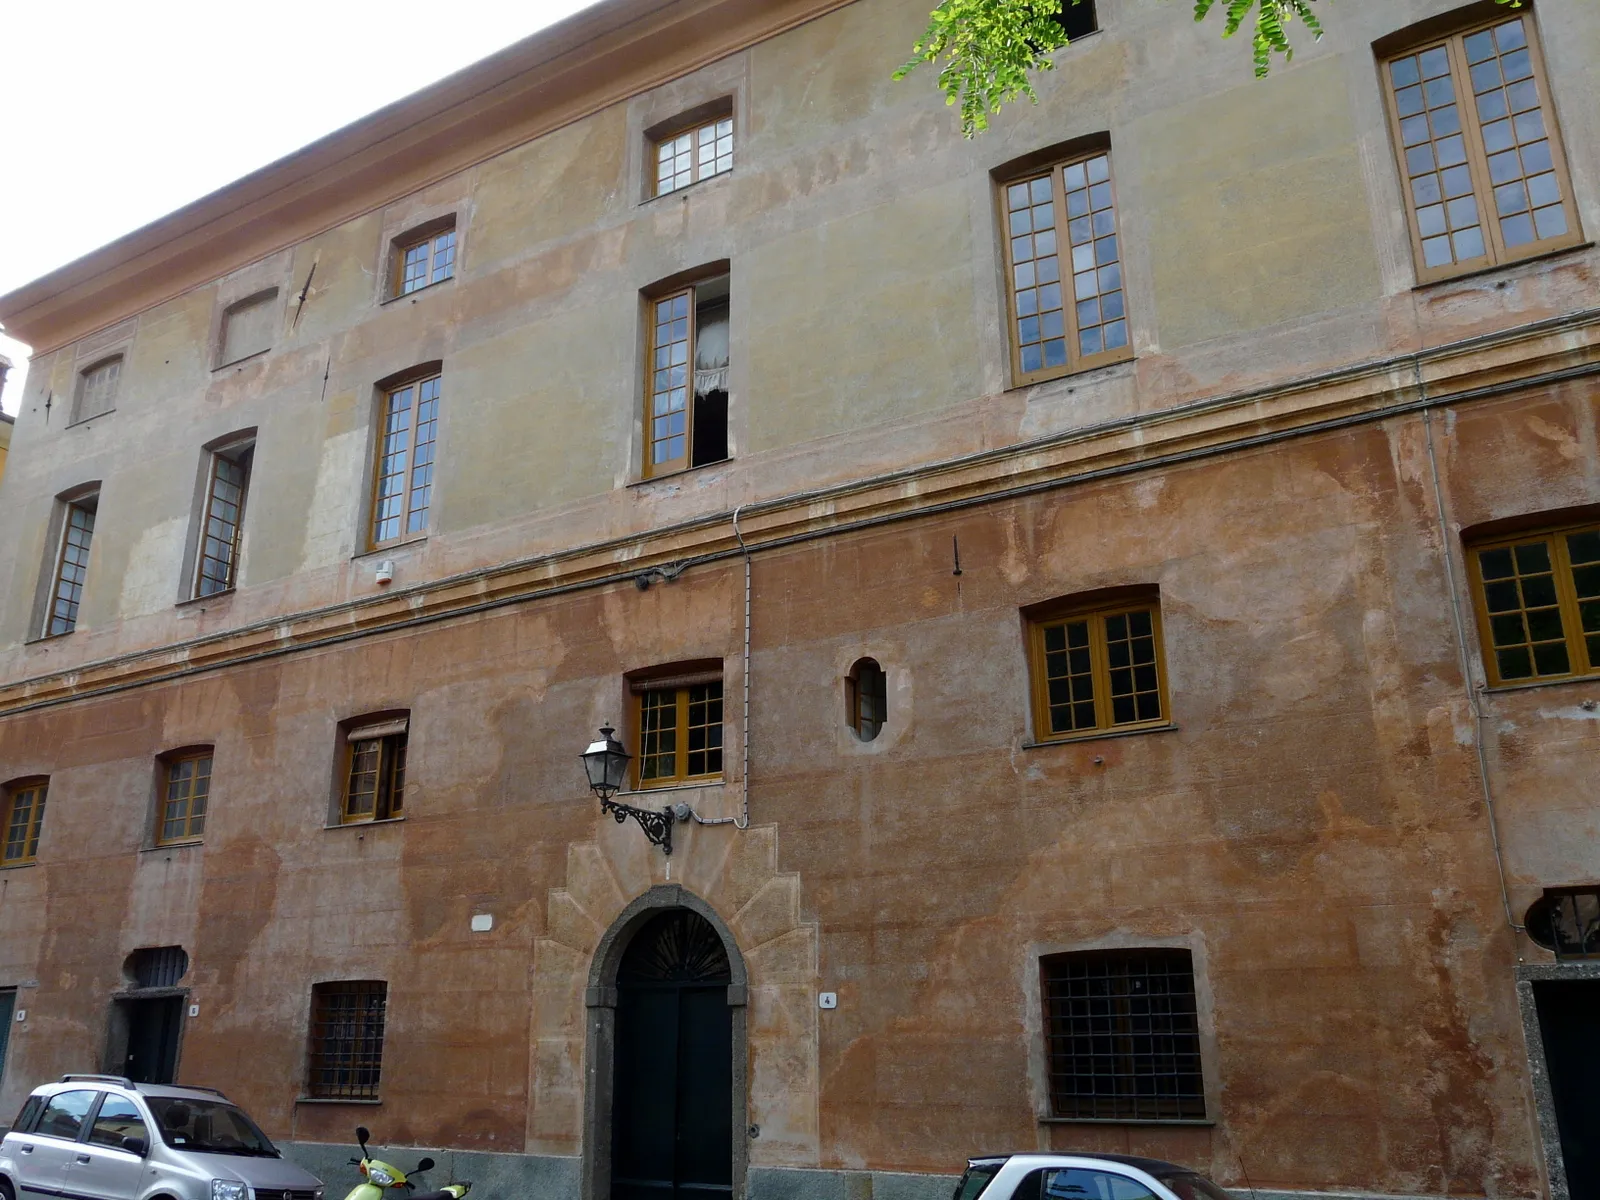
(711, 356)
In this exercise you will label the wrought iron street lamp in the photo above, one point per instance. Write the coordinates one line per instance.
(606, 763)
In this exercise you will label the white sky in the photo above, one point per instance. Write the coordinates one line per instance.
(114, 113)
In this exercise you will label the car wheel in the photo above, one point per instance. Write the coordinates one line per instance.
(7, 1192)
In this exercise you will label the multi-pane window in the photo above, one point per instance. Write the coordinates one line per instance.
(694, 154)
(1097, 670)
(1538, 600)
(375, 774)
(866, 699)
(680, 730)
(346, 1054)
(686, 410)
(403, 475)
(1122, 1035)
(424, 259)
(72, 566)
(186, 789)
(217, 560)
(248, 327)
(1064, 270)
(1480, 155)
(24, 815)
(97, 388)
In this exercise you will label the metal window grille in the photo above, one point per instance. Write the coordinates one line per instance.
(347, 1039)
(159, 966)
(1122, 1035)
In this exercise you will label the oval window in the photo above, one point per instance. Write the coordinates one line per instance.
(866, 698)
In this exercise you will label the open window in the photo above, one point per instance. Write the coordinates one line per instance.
(24, 817)
(222, 517)
(686, 413)
(375, 768)
(185, 790)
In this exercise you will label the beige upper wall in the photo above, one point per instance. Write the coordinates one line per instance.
(1262, 241)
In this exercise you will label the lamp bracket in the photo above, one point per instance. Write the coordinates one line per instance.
(656, 822)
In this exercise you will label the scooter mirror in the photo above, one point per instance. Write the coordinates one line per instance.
(425, 1165)
(362, 1134)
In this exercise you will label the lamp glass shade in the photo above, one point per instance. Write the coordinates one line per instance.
(606, 763)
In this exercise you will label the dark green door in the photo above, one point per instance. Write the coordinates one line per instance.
(672, 1097)
(153, 1028)
(1569, 1026)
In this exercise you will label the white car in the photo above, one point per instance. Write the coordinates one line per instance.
(102, 1137)
(1082, 1177)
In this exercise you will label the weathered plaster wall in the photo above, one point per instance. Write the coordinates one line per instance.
(1313, 830)
(1261, 228)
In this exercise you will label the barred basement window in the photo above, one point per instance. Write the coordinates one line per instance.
(157, 966)
(1122, 1035)
(24, 816)
(375, 770)
(346, 1059)
(680, 727)
(1538, 603)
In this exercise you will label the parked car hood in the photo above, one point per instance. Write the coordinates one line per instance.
(257, 1172)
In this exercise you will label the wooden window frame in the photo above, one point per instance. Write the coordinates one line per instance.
(387, 738)
(88, 504)
(692, 124)
(81, 391)
(1055, 165)
(682, 688)
(193, 825)
(689, 288)
(1583, 664)
(240, 454)
(37, 788)
(415, 383)
(853, 700)
(1496, 254)
(362, 1059)
(1044, 617)
(430, 235)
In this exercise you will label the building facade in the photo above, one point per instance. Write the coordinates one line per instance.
(1108, 612)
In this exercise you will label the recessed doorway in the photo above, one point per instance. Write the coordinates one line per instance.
(672, 1115)
(1569, 1029)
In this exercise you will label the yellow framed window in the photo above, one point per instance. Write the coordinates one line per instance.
(403, 474)
(680, 733)
(24, 818)
(686, 385)
(217, 563)
(1480, 157)
(72, 566)
(375, 771)
(1538, 604)
(1066, 305)
(1095, 671)
(186, 794)
(690, 155)
(422, 260)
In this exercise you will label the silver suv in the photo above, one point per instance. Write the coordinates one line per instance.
(104, 1137)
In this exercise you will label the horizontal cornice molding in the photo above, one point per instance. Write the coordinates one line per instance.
(1538, 355)
(596, 58)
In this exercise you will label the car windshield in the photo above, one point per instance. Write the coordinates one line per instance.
(1189, 1186)
(975, 1179)
(208, 1126)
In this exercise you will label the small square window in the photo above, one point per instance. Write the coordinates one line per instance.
(1538, 603)
(424, 257)
(688, 155)
(680, 728)
(1096, 670)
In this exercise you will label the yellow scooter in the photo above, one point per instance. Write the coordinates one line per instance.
(380, 1176)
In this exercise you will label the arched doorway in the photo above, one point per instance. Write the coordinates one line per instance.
(671, 1128)
(666, 1105)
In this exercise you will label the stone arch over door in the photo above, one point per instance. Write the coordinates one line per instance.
(600, 999)
(735, 875)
